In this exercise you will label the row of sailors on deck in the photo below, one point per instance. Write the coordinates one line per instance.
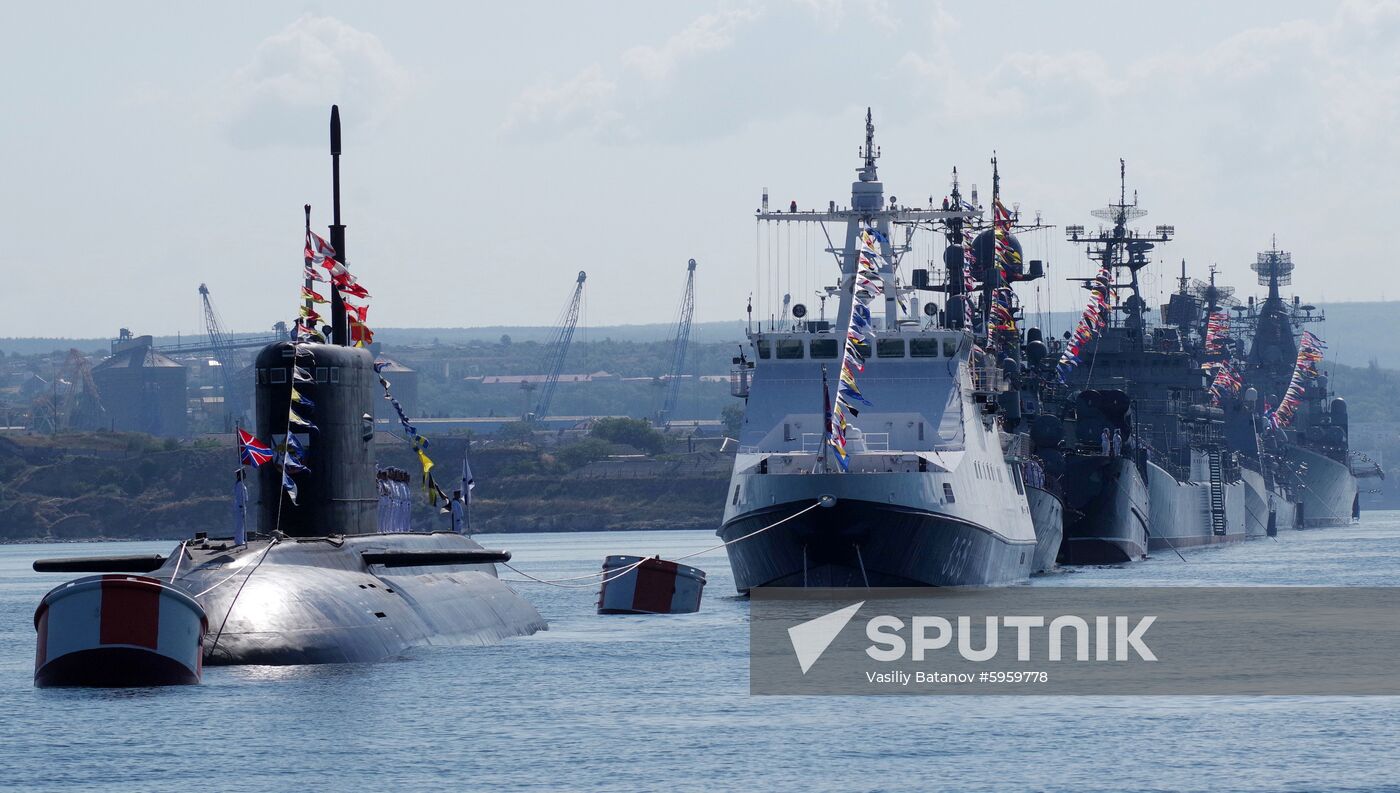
(395, 500)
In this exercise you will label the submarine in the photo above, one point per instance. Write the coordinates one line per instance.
(317, 583)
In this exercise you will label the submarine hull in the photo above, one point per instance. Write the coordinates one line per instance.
(348, 599)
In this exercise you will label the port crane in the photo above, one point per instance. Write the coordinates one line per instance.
(228, 362)
(557, 349)
(680, 345)
(75, 402)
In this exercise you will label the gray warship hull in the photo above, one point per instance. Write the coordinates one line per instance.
(1048, 517)
(1265, 508)
(863, 543)
(1107, 511)
(1180, 512)
(1326, 488)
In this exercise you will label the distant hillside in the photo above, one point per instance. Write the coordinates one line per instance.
(1356, 333)
(700, 331)
(87, 486)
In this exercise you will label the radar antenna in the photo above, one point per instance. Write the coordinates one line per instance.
(1121, 213)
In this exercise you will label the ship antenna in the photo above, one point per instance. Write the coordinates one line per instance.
(871, 152)
(996, 180)
(1122, 183)
(338, 331)
(306, 276)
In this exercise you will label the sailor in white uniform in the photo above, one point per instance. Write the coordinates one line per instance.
(459, 513)
(240, 509)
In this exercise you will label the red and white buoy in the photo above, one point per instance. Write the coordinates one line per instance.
(651, 586)
(118, 630)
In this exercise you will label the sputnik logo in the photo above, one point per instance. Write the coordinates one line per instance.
(811, 638)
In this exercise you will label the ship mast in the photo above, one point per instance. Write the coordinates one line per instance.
(867, 207)
(956, 263)
(990, 278)
(1122, 247)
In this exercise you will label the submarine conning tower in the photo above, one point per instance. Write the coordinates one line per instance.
(336, 494)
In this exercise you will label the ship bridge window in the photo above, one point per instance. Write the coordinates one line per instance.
(278, 375)
(823, 348)
(762, 346)
(923, 348)
(949, 348)
(889, 348)
(789, 349)
(322, 374)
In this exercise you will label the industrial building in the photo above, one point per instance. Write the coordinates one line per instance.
(142, 390)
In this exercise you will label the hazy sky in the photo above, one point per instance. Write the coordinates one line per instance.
(492, 150)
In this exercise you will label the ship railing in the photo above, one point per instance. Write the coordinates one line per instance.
(856, 442)
(1016, 445)
(739, 376)
(987, 379)
(874, 442)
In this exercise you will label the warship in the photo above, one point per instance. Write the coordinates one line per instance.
(997, 264)
(1171, 482)
(319, 583)
(1200, 310)
(1301, 451)
(901, 477)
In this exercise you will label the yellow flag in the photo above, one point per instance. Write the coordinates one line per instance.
(427, 466)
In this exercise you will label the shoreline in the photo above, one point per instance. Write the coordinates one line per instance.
(101, 539)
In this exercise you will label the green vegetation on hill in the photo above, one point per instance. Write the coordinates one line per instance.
(114, 485)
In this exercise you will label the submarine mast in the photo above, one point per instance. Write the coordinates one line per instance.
(338, 331)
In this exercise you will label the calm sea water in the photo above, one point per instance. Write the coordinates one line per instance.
(651, 703)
